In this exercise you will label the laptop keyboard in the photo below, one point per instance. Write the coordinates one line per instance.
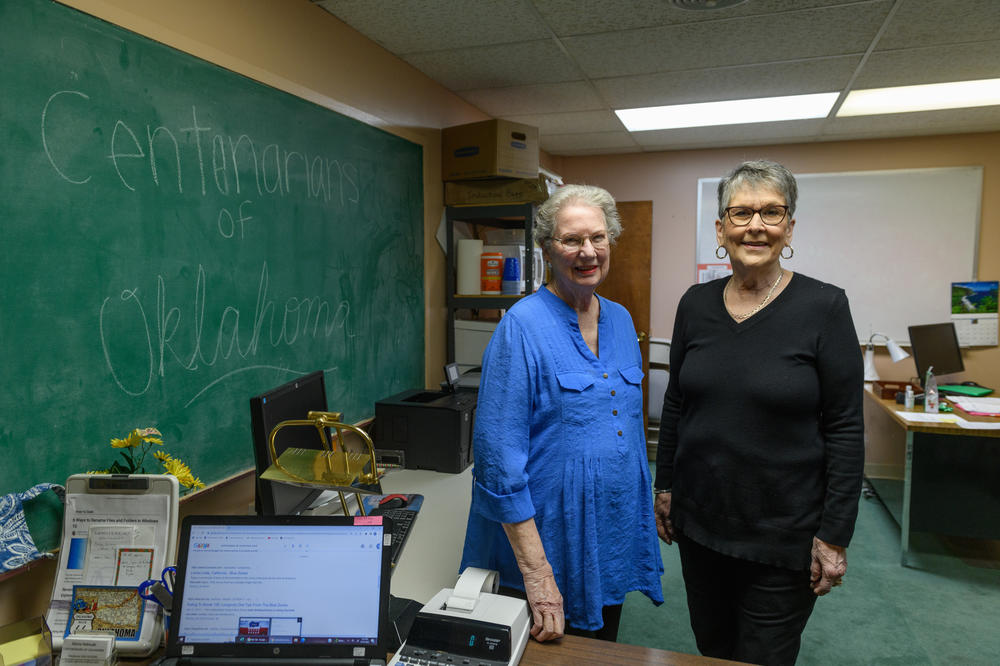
(402, 521)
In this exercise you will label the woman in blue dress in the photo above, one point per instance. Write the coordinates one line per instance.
(561, 497)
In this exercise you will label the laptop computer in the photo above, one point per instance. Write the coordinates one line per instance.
(306, 590)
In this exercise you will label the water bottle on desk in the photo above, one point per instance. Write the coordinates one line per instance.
(930, 392)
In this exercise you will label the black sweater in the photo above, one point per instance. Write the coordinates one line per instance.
(761, 438)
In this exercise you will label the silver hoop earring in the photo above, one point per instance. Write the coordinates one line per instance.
(791, 252)
(725, 252)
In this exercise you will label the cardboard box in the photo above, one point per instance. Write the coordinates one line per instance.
(489, 149)
(498, 191)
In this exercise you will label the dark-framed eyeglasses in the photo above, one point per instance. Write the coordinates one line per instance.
(599, 241)
(771, 214)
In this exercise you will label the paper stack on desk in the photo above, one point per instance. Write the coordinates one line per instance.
(977, 406)
(952, 419)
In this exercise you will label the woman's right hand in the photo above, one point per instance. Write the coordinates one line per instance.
(661, 510)
(546, 604)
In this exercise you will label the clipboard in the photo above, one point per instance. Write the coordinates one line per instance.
(104, 514)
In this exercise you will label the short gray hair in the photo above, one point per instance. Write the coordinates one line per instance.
(756, 173)
(586, 195)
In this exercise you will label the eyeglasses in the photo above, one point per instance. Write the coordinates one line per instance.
(771, 214)
(598, 241)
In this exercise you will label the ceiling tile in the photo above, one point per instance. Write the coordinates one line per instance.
(707, 85)
(840, 30)
(581, 150)
(496, 66)
(562, 65)
(573, 144)
(933, 64)
(418, 25)
(983, 118)
(730, 135)
(571, 123)
(929, 22)
(544, 98)
(579, 17)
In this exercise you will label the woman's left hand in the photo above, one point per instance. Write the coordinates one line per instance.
(661, 511)
(829, 564)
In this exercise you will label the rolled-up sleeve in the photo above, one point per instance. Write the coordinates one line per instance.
(503, 427)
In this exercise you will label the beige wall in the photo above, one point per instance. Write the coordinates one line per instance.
(297, 47)
(670, 180)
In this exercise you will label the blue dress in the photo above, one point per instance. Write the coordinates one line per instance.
(559, 437)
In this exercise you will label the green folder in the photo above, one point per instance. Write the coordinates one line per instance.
(962, 389)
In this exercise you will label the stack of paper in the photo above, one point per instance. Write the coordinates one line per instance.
(977, 406)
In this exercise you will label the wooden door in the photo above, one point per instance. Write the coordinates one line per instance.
(628, 280)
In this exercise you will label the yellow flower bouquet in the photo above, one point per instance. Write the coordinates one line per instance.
(135, 448)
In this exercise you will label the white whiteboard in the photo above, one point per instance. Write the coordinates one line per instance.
(893, 240)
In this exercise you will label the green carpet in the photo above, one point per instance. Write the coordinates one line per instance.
(943, 610)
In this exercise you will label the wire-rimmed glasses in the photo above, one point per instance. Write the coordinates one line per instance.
(574, 243)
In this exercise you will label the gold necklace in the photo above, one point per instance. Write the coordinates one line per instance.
(741, 317)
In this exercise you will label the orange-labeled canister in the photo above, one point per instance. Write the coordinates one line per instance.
(491, 272)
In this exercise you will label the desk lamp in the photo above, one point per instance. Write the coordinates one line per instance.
(330, 468)
(896, 353)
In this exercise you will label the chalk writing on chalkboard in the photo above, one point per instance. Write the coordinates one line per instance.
(178, 238)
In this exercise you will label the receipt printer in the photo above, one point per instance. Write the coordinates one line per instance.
(431, 429)
(468, 624)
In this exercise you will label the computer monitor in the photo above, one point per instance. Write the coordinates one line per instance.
(935, 345)
(293, 400)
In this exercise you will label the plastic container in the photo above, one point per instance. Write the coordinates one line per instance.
(491, 272)
(512, 283)
(930, 392)
(909, 398)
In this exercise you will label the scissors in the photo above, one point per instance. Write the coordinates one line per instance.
(160, 591)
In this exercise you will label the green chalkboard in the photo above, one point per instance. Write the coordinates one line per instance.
(177, 238)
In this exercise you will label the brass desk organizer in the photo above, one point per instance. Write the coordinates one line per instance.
(334, 468)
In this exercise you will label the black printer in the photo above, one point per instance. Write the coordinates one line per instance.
(429, 429)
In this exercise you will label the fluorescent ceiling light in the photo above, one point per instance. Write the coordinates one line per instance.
(929, 97)
(732, 112)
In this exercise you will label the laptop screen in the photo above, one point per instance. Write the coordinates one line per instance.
(311, 586)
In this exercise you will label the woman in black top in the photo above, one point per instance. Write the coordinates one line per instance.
(761, 447)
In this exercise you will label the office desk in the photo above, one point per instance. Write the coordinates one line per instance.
(430, 562)
(951, 478)
(433, 550)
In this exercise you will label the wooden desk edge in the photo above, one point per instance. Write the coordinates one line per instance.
(576, 650)
(892, 407)
(570, 651)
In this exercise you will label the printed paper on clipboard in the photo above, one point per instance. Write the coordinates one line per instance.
(98, 526)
